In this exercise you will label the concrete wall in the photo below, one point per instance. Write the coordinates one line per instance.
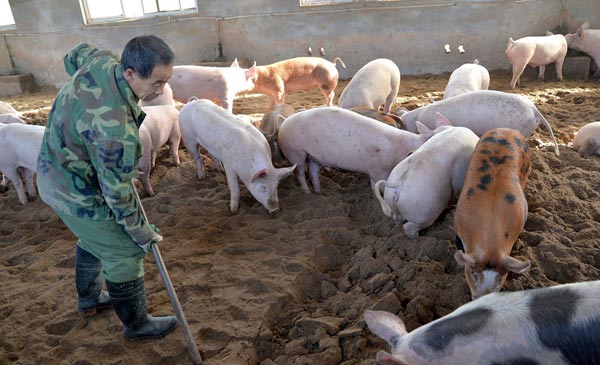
(410, 32)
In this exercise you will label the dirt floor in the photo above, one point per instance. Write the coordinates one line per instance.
(291, 287)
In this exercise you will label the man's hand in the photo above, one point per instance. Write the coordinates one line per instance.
(147, 247)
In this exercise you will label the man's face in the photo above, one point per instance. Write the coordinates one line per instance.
(150, 88)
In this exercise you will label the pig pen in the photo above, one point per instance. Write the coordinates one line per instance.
(291, 287)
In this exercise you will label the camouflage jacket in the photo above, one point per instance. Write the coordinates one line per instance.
(91, 145)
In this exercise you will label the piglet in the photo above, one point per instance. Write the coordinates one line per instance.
(19, 148)
(481, 111)
(297, 74)
(374, 84)
(219, 84)
(468, 77)
(558, 325)
(586, 40)
(587, 140)
(160, 126)
(241, 147)
(340, 138)
(536, 51)
(271, 122)
(492, 210)
(420, 187)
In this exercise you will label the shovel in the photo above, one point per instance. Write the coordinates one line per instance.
(191, 344)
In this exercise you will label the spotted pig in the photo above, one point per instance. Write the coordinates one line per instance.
(492, 210)
(558, 325)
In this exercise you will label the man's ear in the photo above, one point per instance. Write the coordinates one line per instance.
(128, 74)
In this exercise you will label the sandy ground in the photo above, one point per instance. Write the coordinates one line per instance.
(291, 287)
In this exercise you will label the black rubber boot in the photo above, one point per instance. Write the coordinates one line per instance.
(91, 298)
(129, 301)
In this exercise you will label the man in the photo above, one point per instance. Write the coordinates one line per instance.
(88, 158)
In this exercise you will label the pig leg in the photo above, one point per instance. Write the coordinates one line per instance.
(174, 148)
(193, 150)
(28, 177)
(517, 71)
(541, 73)
(313, 170)
(559, 66)
(153, 153)
(234, 189)
(14, 177)
(216, 163)
(145, 177)
(328, 94)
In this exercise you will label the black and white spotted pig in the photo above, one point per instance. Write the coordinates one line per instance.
(558, 325)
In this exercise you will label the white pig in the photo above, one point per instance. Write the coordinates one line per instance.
(8, 118)
(160, 126)
(558, 325)
(374, 84)
(536, 51)
(587, 140)
(241, 147)
(219, 84)
(481, 111)
(8, 114)
(19, 148)
(420, 187)
(588, 41)
(340, 138)
(468, 77)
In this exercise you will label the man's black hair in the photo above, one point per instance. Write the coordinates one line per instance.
(143, 53)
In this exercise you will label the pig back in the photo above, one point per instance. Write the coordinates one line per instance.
(371, 85)
(220, 132)
(341, 138)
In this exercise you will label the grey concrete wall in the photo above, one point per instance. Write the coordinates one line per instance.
(410, 32)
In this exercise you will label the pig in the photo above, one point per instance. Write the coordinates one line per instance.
(468, 77)
(271, 122)
(166, 98)
(161, 125)
(340, 138)
(587, 140)
(8, 114)
(19, 148)
(588, 41)
(383, 117)
(492, 210)
(374, 84)
(8, 118)
(420, 187)
(556, 325)
(219, 84)
(536, 51)
(296, 74)
(481, 111)
(241, 147)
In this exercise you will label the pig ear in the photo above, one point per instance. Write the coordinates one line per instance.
(513, 265)
(251, 72)
(585, 25)
(441, 120)
(549, 33)
(384, 358)
(581, 29)
(261, 174)
(464, 259)
(285, 171)
(422, 128)
(385, 325)
(235, 63)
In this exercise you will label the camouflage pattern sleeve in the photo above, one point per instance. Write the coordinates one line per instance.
(115, 161)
